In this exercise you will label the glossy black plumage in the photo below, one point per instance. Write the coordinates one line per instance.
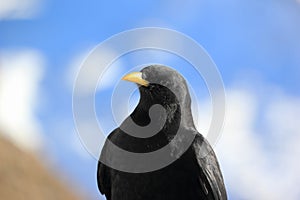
(191, 176)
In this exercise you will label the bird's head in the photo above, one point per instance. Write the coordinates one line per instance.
(162, 85)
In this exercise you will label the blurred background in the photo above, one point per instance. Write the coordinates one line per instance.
(255, 44)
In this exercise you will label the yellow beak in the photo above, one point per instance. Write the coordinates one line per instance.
(136, 77)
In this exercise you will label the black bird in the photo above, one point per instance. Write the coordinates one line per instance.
(195, 173)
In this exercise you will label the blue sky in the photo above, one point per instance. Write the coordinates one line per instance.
(255, 44)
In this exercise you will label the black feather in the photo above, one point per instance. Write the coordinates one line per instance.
(194, 175)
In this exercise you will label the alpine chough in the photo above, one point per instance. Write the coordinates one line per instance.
(195, 174)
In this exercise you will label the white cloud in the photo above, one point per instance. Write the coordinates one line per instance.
(78, 147)
(92, 62)
(204, 113)
(20, 74)
(24, 9)
(259, 149)
(87, 143)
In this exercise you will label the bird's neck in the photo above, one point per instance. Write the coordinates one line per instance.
(178, 111)
(176, 116)
(171, 113)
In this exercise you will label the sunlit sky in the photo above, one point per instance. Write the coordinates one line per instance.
(255, 44)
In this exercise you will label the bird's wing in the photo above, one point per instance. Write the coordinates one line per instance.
(210, 172)
(103, 180)
(103, 171)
